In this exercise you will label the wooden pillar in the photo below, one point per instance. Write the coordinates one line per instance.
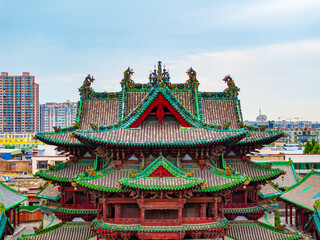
(296, 219)
(203, 210)
(245, 197)
(117, 211)
(290, 214)
(74, 198)
(19, 214)
(98, 212)
(257, 194)
(215, 209)
(88, 201)
(14, 217)
(222, 212)
(302, 219)
(286, 213)
(104, 209)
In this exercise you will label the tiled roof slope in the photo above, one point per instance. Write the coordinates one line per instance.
(305, 192)
(220, 111)
(159, 135)
(50, 192)
(290, 178)
(263, 137)
(65, 171)
(255, 171)
(69, 231)
(314, 222)
(133, 99)
(187, 100)
(99, 112)
(9, 197)
(58, 138)
(258, 231)
(107, 179)
(268, 191)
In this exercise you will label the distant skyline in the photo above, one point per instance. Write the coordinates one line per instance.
(271, 48)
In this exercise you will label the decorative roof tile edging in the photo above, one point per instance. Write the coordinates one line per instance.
(99, 224)
(251, 209)
(67, 210)
(3, 222)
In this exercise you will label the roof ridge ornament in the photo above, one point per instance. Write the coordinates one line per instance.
(127, 82)
(232, 91)
(192, 82)
(159, 77)
(86, 90)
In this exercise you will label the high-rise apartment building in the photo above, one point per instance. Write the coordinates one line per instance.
(19, 103)
(57, 114)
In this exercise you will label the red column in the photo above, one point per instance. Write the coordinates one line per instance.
(257, 195)
(117, 212)
(302, 219)
(88, 198)
(215, 209)
(245, 197)
(19, 214)
(98, 212)
(62, 196)
(14, 217)
(222, 212)
(74, 198)
(290, 214)
(104, 209)
(296, 220)
(203, 210)
(286, 213)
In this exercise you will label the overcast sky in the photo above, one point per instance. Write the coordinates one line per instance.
(270, 48)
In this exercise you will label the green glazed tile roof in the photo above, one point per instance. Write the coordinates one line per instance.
(58, 138)
(65, 171)
(258, 231)
(268, 191)
(68, 231)
(137, 227)
(305, 192)
(55, 209)
(262, 137)
(255, 171)
(10, 197)
(49, 192)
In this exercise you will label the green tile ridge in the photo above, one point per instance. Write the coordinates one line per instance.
(99, 224)
(67, 210)
(45, 136)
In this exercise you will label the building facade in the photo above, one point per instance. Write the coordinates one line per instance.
(19, 103)
(161, 161)
(57, 114)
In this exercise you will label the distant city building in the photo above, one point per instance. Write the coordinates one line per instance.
(261, 117)
(21, 139)
(57, 114)
(19, 104)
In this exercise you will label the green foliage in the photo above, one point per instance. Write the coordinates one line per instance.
(277, 220)
(312, 147)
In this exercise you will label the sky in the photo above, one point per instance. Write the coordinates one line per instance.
(271, 48)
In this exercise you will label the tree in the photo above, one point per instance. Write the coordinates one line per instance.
(307, 148)
(277, 220)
